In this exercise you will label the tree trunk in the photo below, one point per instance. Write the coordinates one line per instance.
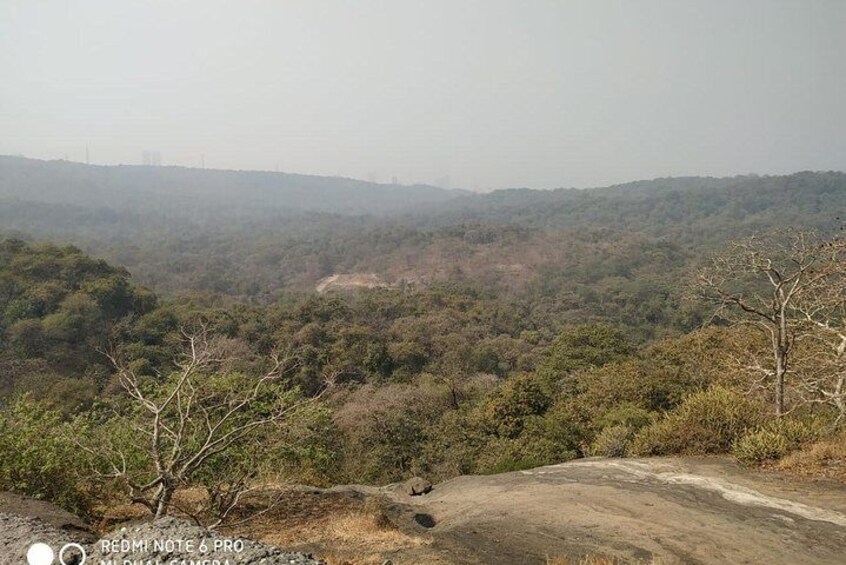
(163, 498)
(779, 383)
(782, 347)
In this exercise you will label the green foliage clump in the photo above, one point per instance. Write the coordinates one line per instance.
(627, 414)
(502, 455)
(759, 446)
(57, 308)
(776, 439)
(533, 432)
(613, 441)
(36, 458)
(709, 421)
(453, 443)
(544, 440)
(506, 411)
(585, 347)
(384, 430)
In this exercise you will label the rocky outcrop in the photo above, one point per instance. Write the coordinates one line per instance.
(24, 522)
(167, 539)
(18, 533)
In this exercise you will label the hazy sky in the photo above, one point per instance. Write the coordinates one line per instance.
(491, 93)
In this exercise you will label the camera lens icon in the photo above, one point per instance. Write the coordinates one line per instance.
(43, 554)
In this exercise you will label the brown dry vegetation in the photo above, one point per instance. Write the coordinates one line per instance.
(341, 527)
(595, 560)
(354, 538)
(825, 458)
(589, 560)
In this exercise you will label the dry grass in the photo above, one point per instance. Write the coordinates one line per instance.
(595, 560)
(825, 458)
(341, 559)
(339, 527)
(356, 531)
(582, 561)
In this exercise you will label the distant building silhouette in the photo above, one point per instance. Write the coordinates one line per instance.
(151, 158)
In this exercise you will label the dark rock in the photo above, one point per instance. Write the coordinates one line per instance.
(425, 520)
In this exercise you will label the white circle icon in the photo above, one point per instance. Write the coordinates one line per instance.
(40, 554)
(71, 546)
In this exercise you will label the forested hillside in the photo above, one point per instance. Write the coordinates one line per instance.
(376, 386)
(695, 209)
(504, 331)
(616, 254)
(57, 309)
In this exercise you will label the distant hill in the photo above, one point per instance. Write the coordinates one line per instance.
(186, 192)
(256, 234)
(722, 207)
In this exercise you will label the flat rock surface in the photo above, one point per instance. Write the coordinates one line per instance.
(670, 510)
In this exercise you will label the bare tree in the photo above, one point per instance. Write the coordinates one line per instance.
(758, 282)
(823, 309)
(186, 422)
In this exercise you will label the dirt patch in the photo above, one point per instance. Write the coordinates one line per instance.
(350, 281)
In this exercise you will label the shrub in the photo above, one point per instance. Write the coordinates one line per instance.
(613, 441)
(503, 455)
(452, 446)
(798, 431)
(758, 446)
(36, 459)
(584, 347)
(706, 422)
(561, 428)
(627, 414)
(383, 430)
(775, 440)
